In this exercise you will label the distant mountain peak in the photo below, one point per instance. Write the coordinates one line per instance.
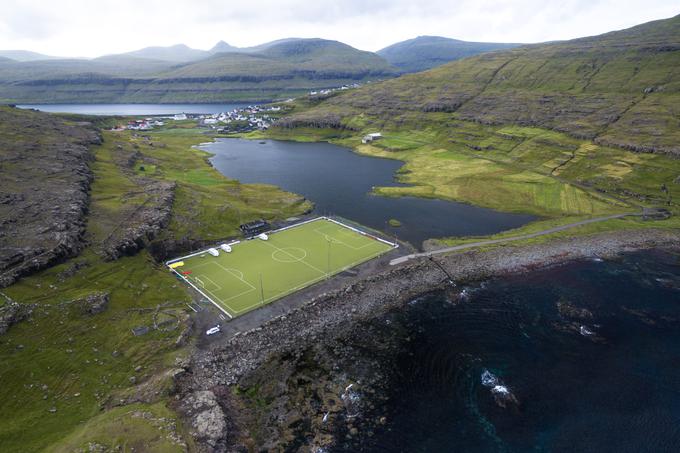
(425, 52)
(176, 53)
(25, 55)
(222, 46)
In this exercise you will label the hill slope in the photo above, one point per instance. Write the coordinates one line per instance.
(315, 58)
(621, 88)
(426, 52)
(282, 68)
(24, 55)
(222, 47)
(177, 53)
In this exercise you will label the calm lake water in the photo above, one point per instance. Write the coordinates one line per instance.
(614, 387)
(339, 182)
(133, 109)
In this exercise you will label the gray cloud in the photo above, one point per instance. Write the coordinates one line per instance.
(86, 27)
(27, 22)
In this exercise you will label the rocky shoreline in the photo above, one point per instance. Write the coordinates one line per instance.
(309, 367)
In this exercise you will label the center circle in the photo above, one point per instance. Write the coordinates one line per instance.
(289, 255)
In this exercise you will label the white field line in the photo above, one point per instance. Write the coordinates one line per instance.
(309, 283)
(296, 225)
(284, 293)
(235, 276)
(233, 271)
(199, 266)
(219, 288)
(290, 254)
(392, 244)
(289, 291)
(338, 241)
(222, 309)
(229, 298)
(200, 252)
(251, 289)
(293, 257)
(234, 296)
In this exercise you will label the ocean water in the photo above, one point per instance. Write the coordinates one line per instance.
(599, 374)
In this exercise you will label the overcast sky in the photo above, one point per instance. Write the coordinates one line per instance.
(95, 27)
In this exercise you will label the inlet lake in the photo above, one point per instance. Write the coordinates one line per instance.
(339, 182)
(133, 109)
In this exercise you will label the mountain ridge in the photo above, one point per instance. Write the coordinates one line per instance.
(25, 55)
(282, 68)
(620, 88)
(426, 52)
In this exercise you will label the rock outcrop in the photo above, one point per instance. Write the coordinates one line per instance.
(45, 173)
(206, 419)
(144, 223)
(94, 303)
(13, 313)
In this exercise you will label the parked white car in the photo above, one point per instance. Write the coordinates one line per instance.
(213, 330)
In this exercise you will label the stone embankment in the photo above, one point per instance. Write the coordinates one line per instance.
(328, 316)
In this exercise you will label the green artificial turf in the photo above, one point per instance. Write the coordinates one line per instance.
(257, 272)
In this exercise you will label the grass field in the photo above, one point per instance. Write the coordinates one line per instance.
(258, 272)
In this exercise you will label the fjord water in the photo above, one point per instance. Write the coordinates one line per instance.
(613, 387)
(339, 182)
(133, 109)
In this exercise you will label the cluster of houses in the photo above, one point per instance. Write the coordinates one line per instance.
(246, 119)
(140, 125)
(253, 117)
(332, 90)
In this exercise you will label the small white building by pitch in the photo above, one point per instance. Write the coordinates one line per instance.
(371, 137)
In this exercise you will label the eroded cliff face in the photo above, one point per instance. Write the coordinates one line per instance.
(45, 173)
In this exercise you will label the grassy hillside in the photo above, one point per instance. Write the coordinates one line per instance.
(70, 377)
(280, 69)
(621, 89)
(426, 52)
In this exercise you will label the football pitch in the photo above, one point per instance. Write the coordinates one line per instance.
(257, 272)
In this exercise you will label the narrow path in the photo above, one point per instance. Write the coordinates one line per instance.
(403, 259)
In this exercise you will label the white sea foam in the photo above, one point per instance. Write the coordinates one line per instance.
(586, 331)
(500, 390)
(489, 379)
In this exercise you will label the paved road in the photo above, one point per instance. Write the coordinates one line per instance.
(405, 258)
